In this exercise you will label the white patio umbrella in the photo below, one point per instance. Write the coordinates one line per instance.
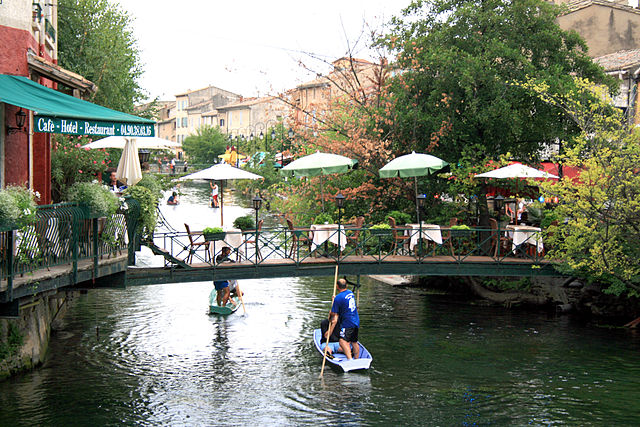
(221, 172)
(516, 170)
(412, 165)
(319, 164)
(149, 142)
(129, 170)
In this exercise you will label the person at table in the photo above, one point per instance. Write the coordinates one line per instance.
(214, 194)
(115, 185)
(173, 199)
(345, 313)
(223, 291)
(522, 209)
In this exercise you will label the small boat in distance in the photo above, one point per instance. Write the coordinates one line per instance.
(340, 360)
(214, 308)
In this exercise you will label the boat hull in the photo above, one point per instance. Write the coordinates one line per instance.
(340, 360)
(226, 310)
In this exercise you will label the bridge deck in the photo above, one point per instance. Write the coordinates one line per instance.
(350, 265)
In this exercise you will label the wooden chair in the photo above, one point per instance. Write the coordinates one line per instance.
(298, 237)
(353, 239)
(251, 239)
(398, 236)
(447, 237)
(195, 246)
(498, 240)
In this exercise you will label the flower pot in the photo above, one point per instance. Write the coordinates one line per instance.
(380, 231)
(214, 236)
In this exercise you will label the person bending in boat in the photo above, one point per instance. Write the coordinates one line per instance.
(344, 310)
(173, 199)
(333, 339)
(223, 296)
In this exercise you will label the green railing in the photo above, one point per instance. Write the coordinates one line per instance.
(65, 234)
(377, 245)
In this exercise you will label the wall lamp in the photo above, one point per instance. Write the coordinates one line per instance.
(20, 118)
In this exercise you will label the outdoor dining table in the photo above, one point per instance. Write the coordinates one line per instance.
(327, 232)
(521, 234)
(429, 232)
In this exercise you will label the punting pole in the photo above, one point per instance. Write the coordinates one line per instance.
(329, 331)
(239, 291)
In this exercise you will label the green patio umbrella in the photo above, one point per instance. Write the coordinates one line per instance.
(412, 165)
(318, 164)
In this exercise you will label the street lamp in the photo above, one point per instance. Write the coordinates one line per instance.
(339, 204)
(257, 203)
(20, 118)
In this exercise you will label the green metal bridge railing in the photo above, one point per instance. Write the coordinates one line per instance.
(377, 245)
(64, 234)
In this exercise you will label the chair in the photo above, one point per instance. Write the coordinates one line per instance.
(447, 237)
(497, 240)
(195, 246)
(398, 237)
(353, 239)
(252, 239)
(298, 236)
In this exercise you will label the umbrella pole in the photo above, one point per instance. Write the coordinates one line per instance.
(322, 193)
(415, 182)
(221, 203)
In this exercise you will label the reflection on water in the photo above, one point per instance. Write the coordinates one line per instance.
(151, 355)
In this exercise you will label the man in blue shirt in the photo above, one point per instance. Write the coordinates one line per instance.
(344, 310)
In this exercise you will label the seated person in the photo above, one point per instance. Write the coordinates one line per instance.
(223, 296)
(173, 199)
(334, 346)
(115, 185)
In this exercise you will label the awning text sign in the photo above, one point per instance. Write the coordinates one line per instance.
(90, 127)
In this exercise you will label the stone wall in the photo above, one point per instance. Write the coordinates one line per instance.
(33, 327)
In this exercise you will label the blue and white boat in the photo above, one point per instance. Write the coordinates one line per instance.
(339, 359)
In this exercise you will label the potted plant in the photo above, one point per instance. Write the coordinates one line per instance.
(323, 218)
(380, 229)
(213, 233)
(244, 223)
(95, 198)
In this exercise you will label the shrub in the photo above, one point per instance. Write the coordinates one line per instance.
(400, 217)
(244, 223)
(17, 206)
(97, 198)
(148, 202)
(152, 183)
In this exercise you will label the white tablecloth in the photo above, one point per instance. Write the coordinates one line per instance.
(323, 232)
(525, 234)
(429, 231)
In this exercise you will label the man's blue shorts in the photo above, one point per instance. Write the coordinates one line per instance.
(220, 284)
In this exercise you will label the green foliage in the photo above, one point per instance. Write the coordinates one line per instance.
(323, 218)
(454, 98)
(151, 182)
(71, 164)
(148, 202)
(381, 226)
(205, 146)
(602, 206)
(13, 343)
(442, 212)
(17, 207)
(244, 223)
(550, 215)
(212, 230)
(95, 40)
(400, 217)
(460, 227)
(96, 197)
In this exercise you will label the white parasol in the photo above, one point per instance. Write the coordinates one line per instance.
(516, 170)
(221, 172)
(150, 142)
(129, 170)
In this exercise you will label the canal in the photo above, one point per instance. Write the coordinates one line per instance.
(153, 356)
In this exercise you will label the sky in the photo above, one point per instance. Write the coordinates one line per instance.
(249, 47)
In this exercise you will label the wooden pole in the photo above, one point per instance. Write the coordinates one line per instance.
(329, 330)
(221, 203)
(239, 291)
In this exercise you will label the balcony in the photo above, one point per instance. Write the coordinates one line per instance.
(49, 30)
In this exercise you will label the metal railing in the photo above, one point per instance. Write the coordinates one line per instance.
(377, 245)
(64, 234)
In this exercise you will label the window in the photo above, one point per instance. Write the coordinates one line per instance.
(185, 121)
(221, 122)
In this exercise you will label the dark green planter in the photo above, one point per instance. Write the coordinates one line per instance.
(214, 236)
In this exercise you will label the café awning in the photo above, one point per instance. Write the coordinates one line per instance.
(56, 112)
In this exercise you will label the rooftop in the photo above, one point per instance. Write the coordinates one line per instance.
(620, 61)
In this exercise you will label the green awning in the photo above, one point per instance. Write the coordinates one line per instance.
(56, 112)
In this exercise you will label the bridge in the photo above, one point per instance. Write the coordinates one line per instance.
(68, 247)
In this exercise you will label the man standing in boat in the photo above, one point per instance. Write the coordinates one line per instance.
(344, 310)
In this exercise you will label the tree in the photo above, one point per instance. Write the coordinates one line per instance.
(205, 146)
(600, 239)
(96, 41)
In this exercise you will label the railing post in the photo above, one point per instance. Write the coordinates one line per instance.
(9, 252)
(75, 244)
(94, 227)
